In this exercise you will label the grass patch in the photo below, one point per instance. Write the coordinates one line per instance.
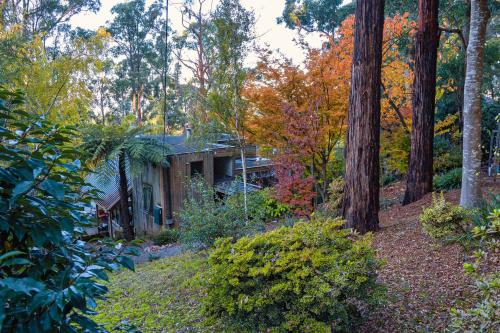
(161, 296)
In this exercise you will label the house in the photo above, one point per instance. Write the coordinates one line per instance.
(106, 207)
(159, 192)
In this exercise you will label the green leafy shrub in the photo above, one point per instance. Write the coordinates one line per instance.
(273, 208)
(445, 221)
(484, 316)
(166, 236)
(204, 218)
(49, 278)
(449, 180)
(311, 277)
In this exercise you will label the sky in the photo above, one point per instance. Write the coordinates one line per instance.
(277, 36)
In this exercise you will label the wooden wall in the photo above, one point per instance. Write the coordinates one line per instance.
(170, 182)
(180, 174)
(143, 221)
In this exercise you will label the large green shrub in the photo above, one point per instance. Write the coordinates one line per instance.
(49, 278)
(204, 218)
(311, 277)
(448, 180)
(445, 221)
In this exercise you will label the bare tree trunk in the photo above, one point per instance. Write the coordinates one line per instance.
(361, 200)
(470, 195)
(419, 178)
(244, 171)
(128, 229)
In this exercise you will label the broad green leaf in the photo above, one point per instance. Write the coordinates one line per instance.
(22, 188)
(54, 188)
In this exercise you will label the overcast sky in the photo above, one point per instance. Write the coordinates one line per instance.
(266, 12)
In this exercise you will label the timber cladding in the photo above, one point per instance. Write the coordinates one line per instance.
(181, 172)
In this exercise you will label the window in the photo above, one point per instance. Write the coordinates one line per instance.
(147, 192)
(197, 169)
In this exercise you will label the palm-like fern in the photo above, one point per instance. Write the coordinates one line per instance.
(122, 143)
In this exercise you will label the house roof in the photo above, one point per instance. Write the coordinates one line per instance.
(230, 187)
(108, 186)
(177, 144)
(253, 162)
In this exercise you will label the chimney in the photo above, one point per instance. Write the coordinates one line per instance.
(187, 131)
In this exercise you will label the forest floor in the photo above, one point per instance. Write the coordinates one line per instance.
(424, 280)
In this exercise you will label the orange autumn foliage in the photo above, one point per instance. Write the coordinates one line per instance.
(280, 92)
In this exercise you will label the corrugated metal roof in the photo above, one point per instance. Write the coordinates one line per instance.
(108, 185)
(177, 144)
(230, 187)
(253, 162)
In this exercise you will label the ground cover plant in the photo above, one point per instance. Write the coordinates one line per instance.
(166, 236)
(484, 315)
(162, 295)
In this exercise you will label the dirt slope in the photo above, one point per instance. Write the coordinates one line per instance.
(424, 281)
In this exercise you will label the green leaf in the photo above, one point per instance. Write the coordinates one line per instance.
(54, 188)
(126, 262)
(16, 262)
(23, 285)
(22, 188)
(10, 254)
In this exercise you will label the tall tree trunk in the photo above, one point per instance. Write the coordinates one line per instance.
(471, 166)
(361, 198)
(128, 229)
(419, 179)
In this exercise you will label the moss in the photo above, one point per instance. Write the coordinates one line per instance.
(161, 296)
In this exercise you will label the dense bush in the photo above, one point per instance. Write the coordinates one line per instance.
(448, 181)
(166, 236)
(204, 218)
(484, 316)
(273, 208)
(49, 278)
(311, 277)
(443, 220)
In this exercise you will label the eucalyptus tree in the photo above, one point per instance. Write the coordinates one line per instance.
(40, 17)
(471, 170)
(315, 15)
(113, 147)
(196, 39)
(233, 32)
(133, 32)
(361, 196)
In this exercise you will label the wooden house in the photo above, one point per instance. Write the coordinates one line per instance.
(106, 206)
(159, 192)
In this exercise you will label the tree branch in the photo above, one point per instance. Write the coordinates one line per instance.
(458, 32)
